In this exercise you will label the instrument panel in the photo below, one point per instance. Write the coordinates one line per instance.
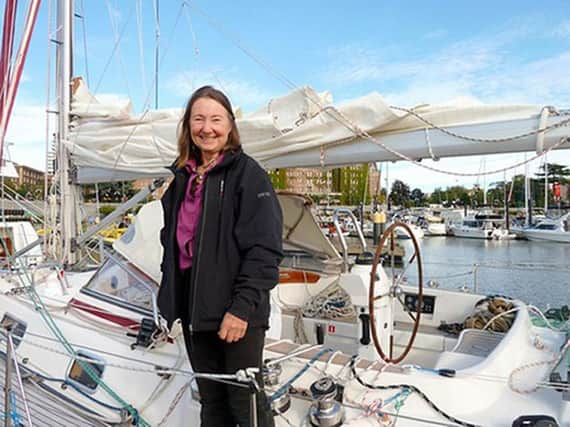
(428, 303)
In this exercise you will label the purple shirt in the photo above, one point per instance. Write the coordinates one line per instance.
(189, 213)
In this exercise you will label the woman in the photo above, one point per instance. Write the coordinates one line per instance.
(222, 247)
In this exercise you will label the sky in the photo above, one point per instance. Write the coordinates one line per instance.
(413, 52)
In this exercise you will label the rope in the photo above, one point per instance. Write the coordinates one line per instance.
(410, 388)
(52, 326)
(333, 303)
(347, 123)
(140, 39)
(285, 387)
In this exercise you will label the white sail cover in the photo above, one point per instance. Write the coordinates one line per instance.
(304, 129)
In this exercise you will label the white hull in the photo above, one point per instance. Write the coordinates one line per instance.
(418, 232)
(436, 229)
(547, 235)
(89, 312)
(471, 233)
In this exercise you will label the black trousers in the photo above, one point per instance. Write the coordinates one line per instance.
(223, 404)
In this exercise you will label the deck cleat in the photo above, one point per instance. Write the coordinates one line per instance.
(326, 411)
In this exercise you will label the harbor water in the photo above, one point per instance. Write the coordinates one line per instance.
(535, 272)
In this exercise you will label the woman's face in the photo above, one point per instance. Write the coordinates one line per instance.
(210, 126)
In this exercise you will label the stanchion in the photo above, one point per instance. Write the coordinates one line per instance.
(8, 382)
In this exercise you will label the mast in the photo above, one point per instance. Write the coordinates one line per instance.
(68, 220)
(545, 185)
(527, 201)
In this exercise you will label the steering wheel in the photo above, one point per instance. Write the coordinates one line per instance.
(396, 292)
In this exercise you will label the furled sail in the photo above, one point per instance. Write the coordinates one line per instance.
(304, 129)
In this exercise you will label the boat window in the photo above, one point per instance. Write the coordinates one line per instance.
(17, 327)
(546, 227)
(474, 224)
(85, 371)
(120, 281)
(302, 260)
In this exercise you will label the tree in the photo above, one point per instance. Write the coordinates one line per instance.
(418, 197)
(400, 194)
(556, 173)
(112, 191)
(278, 178)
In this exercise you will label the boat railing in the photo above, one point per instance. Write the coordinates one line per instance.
(336, 221)
(474, 269)
(10, 415)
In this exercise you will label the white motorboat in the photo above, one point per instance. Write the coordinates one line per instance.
(549, 230)
(432, 223)
(483, 225)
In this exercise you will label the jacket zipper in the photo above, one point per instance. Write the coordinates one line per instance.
(198, 252)
(220, 206)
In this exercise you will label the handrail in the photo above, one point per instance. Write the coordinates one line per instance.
(336, 215)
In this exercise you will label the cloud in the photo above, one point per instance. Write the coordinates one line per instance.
(26, 133)
(435, 35)
(242, 93)
(491, 68)
(562, 30)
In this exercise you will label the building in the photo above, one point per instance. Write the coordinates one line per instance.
(320, 181)
(28, 176)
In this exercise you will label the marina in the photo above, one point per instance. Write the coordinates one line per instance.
(443, 318)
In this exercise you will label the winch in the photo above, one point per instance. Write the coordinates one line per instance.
(326, 411)
(282, 402)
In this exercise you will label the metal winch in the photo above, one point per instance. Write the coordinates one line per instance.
(326, 411)
(281, 402)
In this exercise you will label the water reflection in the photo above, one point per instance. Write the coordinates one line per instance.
(536, 272)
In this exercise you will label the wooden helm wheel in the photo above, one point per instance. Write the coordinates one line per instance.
(395, 292)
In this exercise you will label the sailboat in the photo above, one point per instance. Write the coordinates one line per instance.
(351, 342)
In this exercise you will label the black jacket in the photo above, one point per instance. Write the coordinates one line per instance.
(237, 250)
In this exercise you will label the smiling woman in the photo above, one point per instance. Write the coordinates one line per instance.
(222, 247)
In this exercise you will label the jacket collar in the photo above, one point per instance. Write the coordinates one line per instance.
(229, 158)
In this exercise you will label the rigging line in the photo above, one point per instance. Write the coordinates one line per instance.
(547, 128)
(53, 327)
(190, 82)
(46, 220)
(147, 102)
(351, 126)
(156, 49)
(191, 28)
(121, 61)
(105, 68)
(139, 12)
(84, 30)
(185, 75)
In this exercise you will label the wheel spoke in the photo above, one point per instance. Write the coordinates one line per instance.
(378, 297)
(405, 307)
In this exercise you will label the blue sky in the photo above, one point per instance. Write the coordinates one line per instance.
(410, 52)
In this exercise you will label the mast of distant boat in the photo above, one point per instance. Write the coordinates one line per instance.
(527, 197)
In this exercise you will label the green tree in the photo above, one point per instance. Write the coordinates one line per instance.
(556, 173)
(400, 194)
(278, 178)
(418, 197)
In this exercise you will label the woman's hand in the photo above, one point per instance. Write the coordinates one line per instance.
(232, 328)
